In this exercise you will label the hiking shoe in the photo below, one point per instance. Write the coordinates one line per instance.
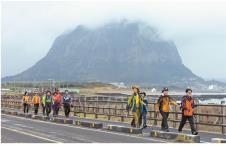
(167, 130)
(145, 126)
(195, 133)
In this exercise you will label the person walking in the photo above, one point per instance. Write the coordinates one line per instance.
(67, 103)
(187, 105)
(59, 101)
(26, 102)
(36, 102)
(136, 104)
(145, 109)
(48, 101)
(163, 103)
(43, 103)
(56, 102)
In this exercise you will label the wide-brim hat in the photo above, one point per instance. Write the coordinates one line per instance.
(137, 87)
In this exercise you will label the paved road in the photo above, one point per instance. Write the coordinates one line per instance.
(19, 129)
(73, 135)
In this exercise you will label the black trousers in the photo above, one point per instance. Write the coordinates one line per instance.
(36, 106)
(43, 109)
(26, 108)
(183, 122)
(165, 116)
(67, 109)
(48, 109)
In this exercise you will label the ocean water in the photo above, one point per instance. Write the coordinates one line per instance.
(214, 101)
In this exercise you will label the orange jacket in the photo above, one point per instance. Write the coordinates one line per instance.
(57, 98)
(164, 103)
(36, 99)
(26, 99)
(187, 105)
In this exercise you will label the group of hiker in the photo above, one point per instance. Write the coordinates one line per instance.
(139, 106)
(49, 102)
(137, 103)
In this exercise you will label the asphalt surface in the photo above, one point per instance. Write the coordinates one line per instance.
(52, 132)
(18, 129)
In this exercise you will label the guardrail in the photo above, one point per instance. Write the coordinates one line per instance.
(206, 115)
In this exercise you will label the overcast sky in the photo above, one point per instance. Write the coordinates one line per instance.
(198, 28)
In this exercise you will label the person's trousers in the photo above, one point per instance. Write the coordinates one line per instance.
(36, 106)
(183, 122)
(144, 116)
(26, 107)
(43, 109)
(67, 109)
(56, 108)
(165, 116)
(136, 116)
(48, 109)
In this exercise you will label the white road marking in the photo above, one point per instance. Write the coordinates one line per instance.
(29, 134)
(20, 125)
(96, 130)
(99, 130)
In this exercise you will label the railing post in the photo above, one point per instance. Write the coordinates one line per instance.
(122, 111)
(74, 105)
(222, 112)
(109, 117)
(96, 109)
(155, 115)
(174, 116)
(84, 107)
(197, 117)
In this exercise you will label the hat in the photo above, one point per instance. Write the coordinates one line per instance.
(165, 89)
(137, 87)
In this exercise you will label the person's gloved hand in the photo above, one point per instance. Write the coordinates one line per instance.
(127, 107)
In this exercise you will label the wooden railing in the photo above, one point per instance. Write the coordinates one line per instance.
(208, 117)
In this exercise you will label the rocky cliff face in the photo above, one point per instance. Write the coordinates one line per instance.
(116, 52)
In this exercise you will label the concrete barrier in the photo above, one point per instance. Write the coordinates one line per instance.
(218, 140)
(179, 137)
(13, 113)
(7, 112)
(20, 114)
(40, 117)
(89, 124)
(62, 120)
(28, 115)
(3, 111)
(57, 120)
(124, 129)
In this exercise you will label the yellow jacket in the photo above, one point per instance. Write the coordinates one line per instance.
(26, 99)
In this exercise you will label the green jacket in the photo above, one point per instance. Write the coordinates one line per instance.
(43, 100)
(132, 103)
(46, 99)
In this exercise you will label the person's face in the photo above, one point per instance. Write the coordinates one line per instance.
(135, 90)
(48, 93)
(166, 93)
(26, 93)
(58, 92)
(189, 93)
(66, 92)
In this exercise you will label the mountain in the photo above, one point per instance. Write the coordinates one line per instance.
(130, 52)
